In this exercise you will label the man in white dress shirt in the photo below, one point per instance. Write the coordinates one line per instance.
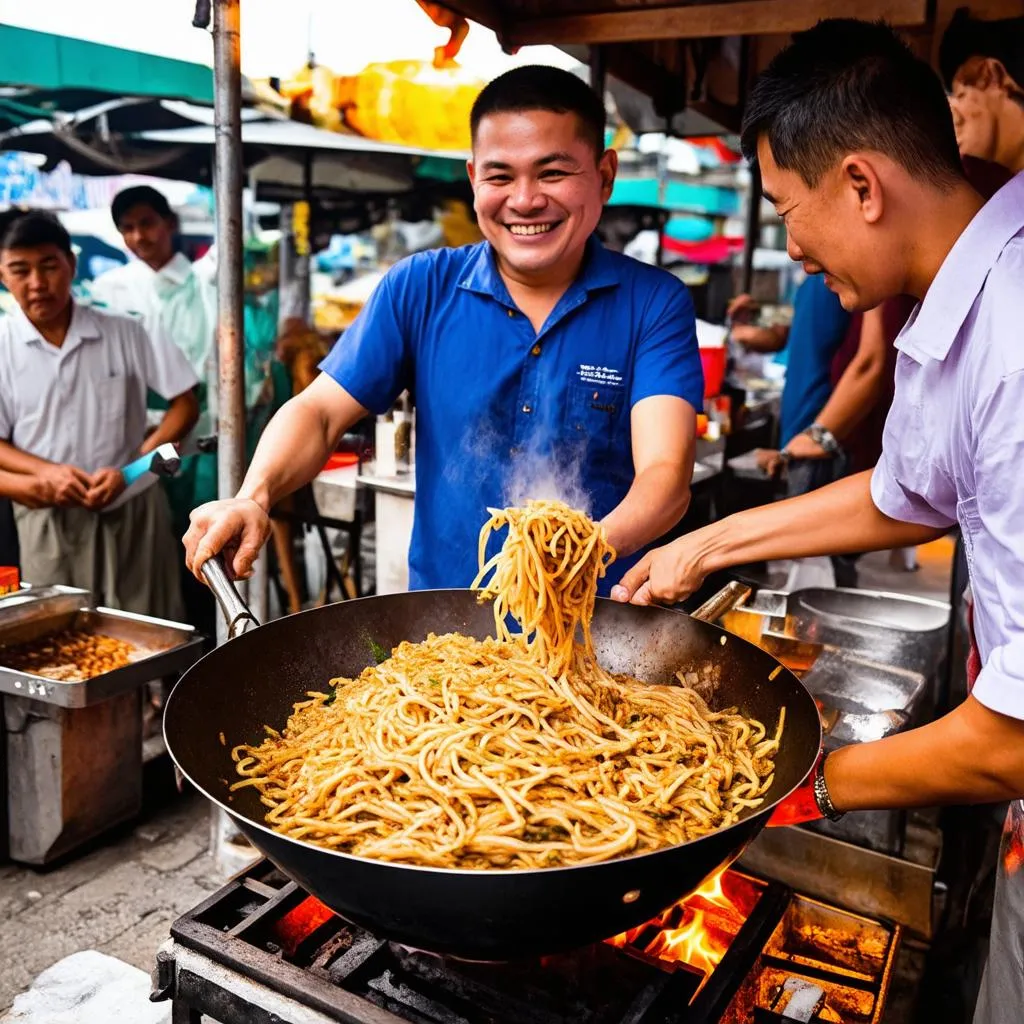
(73, 385)
(160, 285)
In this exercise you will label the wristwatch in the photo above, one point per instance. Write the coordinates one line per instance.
(821, 797)
(824, 438)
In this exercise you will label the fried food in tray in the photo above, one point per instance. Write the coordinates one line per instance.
(70, 656)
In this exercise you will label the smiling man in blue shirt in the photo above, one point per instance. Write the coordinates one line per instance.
(542, 364)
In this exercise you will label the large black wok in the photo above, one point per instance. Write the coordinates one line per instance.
(253, 680)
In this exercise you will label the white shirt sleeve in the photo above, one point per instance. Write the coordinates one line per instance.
(165, 368)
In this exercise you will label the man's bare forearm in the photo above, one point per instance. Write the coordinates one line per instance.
(764, 340)
(656, 501)
(179, 419)
(16, 486)
(14, 460)
(834, 520)
(860, 387)
(292, 450)
(971, 755)
(855, 396)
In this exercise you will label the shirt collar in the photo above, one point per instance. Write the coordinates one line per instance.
(84, 326)
(482, 274)
(935, 324)
(176, 270)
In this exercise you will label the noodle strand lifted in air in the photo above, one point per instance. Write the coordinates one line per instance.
(514, 752)
(545, 577)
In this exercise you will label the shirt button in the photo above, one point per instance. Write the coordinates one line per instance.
(596, 396)
(511, 313)
(527, 408)
(535, 351)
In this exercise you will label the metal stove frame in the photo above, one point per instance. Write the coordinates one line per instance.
(234, 974)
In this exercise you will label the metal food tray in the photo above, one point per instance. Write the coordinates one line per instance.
(163, 647)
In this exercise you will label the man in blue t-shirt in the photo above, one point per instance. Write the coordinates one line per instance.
(811, 341)
(542, 364)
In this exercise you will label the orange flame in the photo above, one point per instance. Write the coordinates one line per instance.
(698, 930)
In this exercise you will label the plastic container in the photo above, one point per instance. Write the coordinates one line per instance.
(713, 360)
(340, 460)
(410, 102)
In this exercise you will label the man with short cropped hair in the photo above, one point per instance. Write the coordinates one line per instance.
(73, 383)
(542, 364)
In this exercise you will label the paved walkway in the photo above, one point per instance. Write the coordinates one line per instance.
(120, 898)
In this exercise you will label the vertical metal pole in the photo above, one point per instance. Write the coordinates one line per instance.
(753, 228)
(285, 268)
(231, 851)
(229, 183)
(302, 214)
(598, 69)
(753, 233)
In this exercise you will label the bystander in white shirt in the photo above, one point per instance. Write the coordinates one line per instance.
(84, 403)
(175, 302)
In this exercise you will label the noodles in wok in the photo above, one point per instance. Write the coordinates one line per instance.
(514, 752)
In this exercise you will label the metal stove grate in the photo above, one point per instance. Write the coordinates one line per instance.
(261, 950)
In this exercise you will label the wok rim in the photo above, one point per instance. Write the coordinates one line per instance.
(631, 858)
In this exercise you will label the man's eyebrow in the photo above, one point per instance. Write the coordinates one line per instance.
(556, 158)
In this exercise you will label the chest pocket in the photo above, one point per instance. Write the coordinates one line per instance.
(595, 413)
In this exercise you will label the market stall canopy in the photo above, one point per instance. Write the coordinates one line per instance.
(173, 139)
(43, 74)
(701, 57)
(278, 152)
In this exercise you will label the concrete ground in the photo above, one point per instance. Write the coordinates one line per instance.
(121, 896)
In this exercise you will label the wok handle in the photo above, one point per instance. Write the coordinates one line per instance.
(731, 595)
(236, 612)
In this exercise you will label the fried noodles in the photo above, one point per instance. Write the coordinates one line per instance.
(515, 752)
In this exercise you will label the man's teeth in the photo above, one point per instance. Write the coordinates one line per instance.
(530, 229)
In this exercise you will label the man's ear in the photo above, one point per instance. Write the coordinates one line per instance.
(607, 167)
(860, 179)
(1001, 78)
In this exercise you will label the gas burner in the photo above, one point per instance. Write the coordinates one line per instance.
(739, 950)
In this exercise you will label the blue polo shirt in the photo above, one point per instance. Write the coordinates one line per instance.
(819, 326)
(504, 413)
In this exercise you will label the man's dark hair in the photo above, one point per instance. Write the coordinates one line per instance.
(966, 38)
(846, 85)
(539, 87)
(33, 229)
(140, 195)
